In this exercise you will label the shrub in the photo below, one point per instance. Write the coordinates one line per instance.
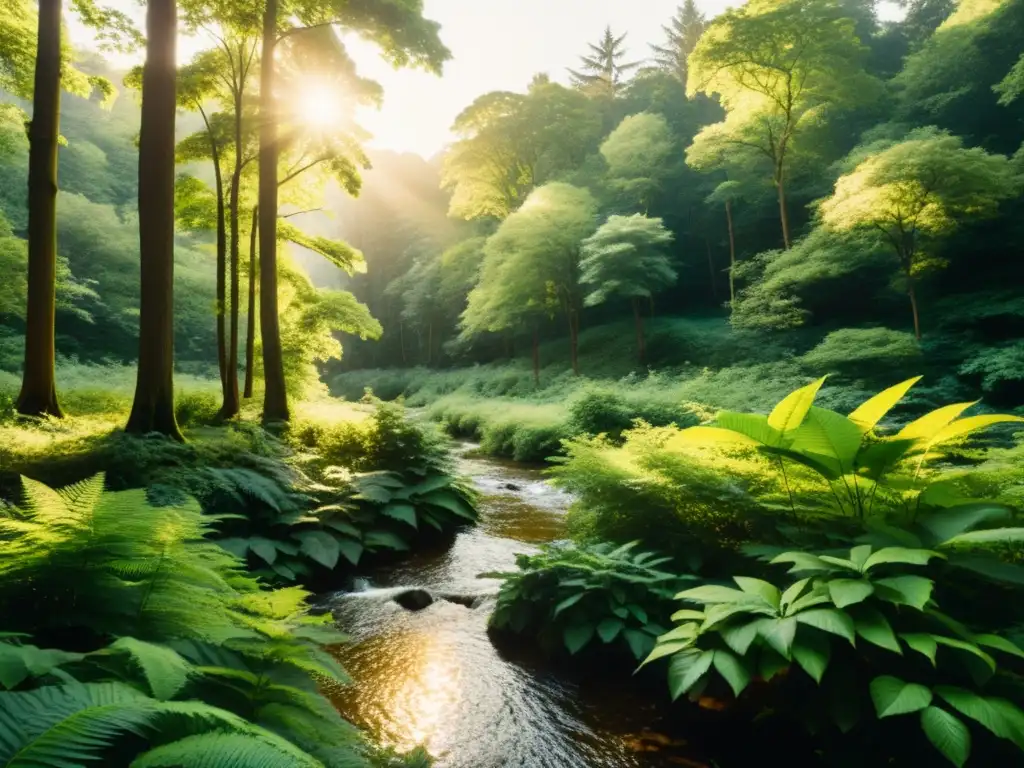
(195, 409)
(865, 353)
(575, 596)
(846, 638)
(999, 371)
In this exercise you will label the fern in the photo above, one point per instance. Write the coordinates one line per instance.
(226, 750)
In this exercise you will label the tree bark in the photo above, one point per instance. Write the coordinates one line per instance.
(222, 248)
(780, 184)
(38, 396)
(574, 341)
(638, 319)
(250, 320)
(275, 398)
(912, 293)
(153, 408)
(732, 253)
(535, 349)
(231, 404)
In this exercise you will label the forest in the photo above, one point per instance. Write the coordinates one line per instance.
(669, 414)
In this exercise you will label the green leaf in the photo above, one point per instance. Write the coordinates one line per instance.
(901, 555)
(846, 592)
(686, 668)
(686, 614)
(1000, 644)
(609, 629)
(944, 524)
(929, 425)
(948, 734)
(319, 546)
(914, 591)
(740, 636)
(828, 438)
(859, 555)
(451, 502)
(963, 427)
(793, 592)
(893, 696)
(165, 670)
(399, 511)
(577, 635)
(801, 562)
(812, 652)
(829, 620)
(385, 540)
(971, 648)
(791, 411)
(352, 550)
(779, 634)
(733, 670)
(750, 425)
(990, 536)
(662, 649)
(873, 410)
(638, 612)
(712, 593)
(264, 549)
(875, 628)
(771, 664)
(568, 602)
(767, 592)
(922, 643)
(342, 526)
(640, 643)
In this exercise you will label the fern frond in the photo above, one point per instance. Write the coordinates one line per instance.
(165, 671)
(227, 750)
(20, 662)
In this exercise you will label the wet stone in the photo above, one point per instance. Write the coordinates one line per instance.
(414, 599)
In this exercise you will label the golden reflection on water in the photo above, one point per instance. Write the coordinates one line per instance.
(428, 699)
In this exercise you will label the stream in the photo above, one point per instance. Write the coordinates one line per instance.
(433, 677)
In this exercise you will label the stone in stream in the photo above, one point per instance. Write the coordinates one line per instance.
(512, 487)
(414, 599)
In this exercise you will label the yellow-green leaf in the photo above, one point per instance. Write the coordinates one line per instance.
(873, 410)
(790, 412)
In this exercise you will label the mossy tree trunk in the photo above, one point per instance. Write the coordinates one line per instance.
(250, 321)
(38, 396)
(153, 408)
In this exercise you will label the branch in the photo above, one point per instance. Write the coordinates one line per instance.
(297, 30)
(298, 213)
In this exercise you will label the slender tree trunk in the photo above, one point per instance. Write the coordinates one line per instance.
(250, 320)
(732, 253)
(780, 185)
(38, 396)
(574, 339)
(535, 349)
(153, 409)
(231, 404)
(638, 319)
(711, 270)
(430, 342)
(912, 293)
(275, 398)
(222, 249)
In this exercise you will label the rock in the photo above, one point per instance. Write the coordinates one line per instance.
(469, 601)
(414, 599)
(512, 487)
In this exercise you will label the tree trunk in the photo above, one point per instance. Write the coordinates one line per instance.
(638, 319)
(536, 358)
(250, 320)
(38, 396)
(912, 293)
(153, 408)
(574, 340)
(732, 253)
(231, 404)
(780, 184)
(430, 343)
(222, 249)
(711, 270)
(275, 398)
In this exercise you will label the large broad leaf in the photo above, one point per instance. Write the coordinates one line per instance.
(165, 670)
(946, 523)
(948, 734)
(875, 628)
(929, 425)
(661, 650)
(351, 549)
(711, 435)
(876, 459)
(971, 648)
(999, 644)
(993, 714)
(385, 540)
(900, 555)
(893, 696)
(812, 652)
(791, 411)
(778, 634)
(319, 546)
(750, 425)
(802, 562)
(829, 620)
(264, 548)
(577, 635)
(830, 439)
(399, 511)
(733, 669)
(640, 643)
(568, 602)
(846, 592)
(686, 669)
(964, 427)
(923, 643)
(739, 637)
(990, 568)
(712, 593)
(609, 629)
(18, 662)
(756, 587)
(873, 410)
(451, 502)
(991, 536)
(906, 590)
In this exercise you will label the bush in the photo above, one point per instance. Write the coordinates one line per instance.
(999, 371)
(195, 409)
(865, 353)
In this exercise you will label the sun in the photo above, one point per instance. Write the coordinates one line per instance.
(319, 106)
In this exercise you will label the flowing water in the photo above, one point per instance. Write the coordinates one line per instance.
(433, 677)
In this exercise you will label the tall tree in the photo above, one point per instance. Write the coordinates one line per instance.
(153, 408)
(681, 37)
(776, 64)
(603, 73)
(531, 265)
(916, 191)
(626, 258)
(638, 153)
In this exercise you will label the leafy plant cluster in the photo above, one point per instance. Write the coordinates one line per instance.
(130, 638)
(586, 596)
(849, 641)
